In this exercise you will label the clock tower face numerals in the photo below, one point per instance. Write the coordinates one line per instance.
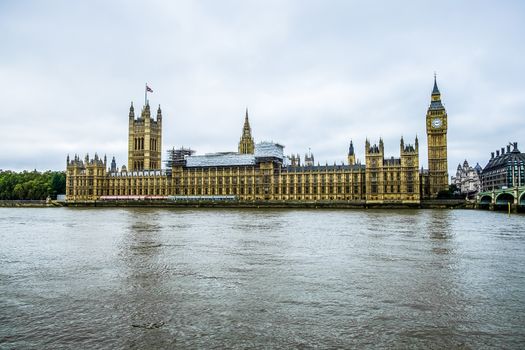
(437, 123)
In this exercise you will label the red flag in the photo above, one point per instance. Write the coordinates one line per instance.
(148, 89)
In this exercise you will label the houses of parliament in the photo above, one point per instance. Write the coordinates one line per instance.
(261, 171)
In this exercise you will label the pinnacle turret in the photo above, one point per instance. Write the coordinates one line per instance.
(351, 154)
(246, 144)
(435, 90)
(246, 129)
(159, 114)
(131, 111)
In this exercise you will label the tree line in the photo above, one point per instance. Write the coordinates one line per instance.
(32, 185)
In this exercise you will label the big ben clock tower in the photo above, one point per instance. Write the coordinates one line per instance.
(437, 143)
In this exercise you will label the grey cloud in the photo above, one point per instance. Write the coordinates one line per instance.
(313, 74)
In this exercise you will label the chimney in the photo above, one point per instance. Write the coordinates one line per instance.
(502, 150)
(491, 155)
(508, 148)
(515, 146)
(497, 153)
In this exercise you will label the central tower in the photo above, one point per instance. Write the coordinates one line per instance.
(437, 143)
(145, 140)
(246, 144)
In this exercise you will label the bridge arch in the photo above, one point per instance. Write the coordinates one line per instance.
(504, 198)
(486, 199)
(522, 199)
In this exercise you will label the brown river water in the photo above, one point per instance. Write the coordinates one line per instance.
(211, 278)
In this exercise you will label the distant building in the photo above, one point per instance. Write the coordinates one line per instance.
(467, 178)
(309, 159)
(504, 170)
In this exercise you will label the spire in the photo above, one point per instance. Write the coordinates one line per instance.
(113, 165)
(435, 100)
(435, 90)
(246, 144)
(159, 113)
(246, 130)
(131, 111)
(351, 149)
(351, 154)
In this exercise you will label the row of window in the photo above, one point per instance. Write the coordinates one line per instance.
(239, 191)
(138, 144)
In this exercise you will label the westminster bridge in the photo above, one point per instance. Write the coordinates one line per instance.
(515, 196)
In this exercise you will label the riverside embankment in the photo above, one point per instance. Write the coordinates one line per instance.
(427, 204)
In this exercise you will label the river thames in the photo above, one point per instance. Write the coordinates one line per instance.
(208, 278)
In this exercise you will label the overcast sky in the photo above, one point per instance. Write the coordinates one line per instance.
(313, 74)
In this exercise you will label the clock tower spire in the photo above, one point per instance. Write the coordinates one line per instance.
(437, 143)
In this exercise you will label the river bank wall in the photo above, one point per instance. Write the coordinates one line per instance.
(427, 204)
(424, 204)
(26, 204)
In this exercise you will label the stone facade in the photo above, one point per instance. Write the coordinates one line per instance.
(260, 171)
(246, 144)
(467, 178)
(145, 140)
(437, 144)
(505, 169)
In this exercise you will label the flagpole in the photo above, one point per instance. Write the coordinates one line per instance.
(146, 95)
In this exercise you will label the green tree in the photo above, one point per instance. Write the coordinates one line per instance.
(31, 185)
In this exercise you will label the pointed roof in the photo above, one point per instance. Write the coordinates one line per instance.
(131, 111)
(435, 102)
(435, 90)
(159, 113)
(351, 149)
(246, 130)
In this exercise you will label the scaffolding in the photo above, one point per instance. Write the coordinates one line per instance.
(177, 157)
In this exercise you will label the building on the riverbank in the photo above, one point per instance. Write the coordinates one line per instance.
(436, 125)
(261, 171)
(505, 169)
(467, 178)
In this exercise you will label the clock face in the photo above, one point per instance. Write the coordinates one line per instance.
(436, 123)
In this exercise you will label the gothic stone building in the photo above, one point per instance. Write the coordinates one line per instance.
(260, 172)
(467, 178)
(437, 124)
